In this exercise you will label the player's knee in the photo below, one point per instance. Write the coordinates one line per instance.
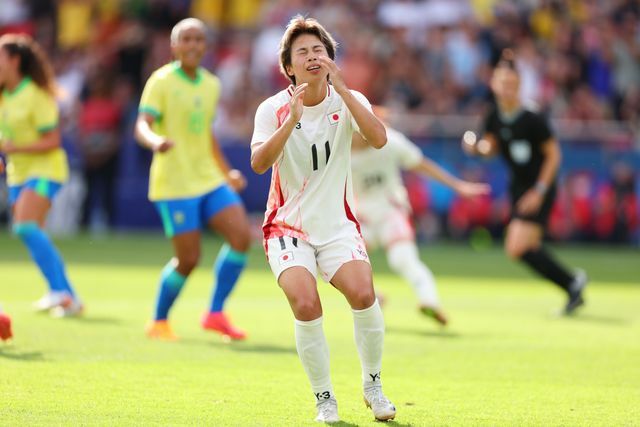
(240, 242)
(306, 308)
(188, 262)
(514, 251)
(362, 298)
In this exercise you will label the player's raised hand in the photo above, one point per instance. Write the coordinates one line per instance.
(472, 189)
(163, 146)
(236, 180)
(335, 74)
(295, 104)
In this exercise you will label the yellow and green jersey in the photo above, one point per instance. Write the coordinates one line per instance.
(184, 109)
(25, 114)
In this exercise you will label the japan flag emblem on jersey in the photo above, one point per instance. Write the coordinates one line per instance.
(286, 257)
(334, 117)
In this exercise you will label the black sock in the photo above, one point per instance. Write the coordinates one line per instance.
(543, 263)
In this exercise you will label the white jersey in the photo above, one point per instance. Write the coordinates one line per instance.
(310, 196)
(377, 179)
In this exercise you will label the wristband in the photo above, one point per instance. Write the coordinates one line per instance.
(541, 187)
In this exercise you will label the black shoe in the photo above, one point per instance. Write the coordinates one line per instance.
(575, 292)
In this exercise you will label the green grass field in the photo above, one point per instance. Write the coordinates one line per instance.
(506, 358)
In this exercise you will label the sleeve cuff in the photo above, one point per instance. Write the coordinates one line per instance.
(150, 110)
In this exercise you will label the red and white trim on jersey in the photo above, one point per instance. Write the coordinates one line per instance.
(348, 212)
(310, 196)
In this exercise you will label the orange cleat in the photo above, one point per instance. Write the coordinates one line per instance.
(219, 323)
(435, 313)
(5, 327)
(160, 330)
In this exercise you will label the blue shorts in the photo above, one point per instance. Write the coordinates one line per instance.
(183, 215)
(41, 186)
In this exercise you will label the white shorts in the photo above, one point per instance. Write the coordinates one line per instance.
(385, 230)
(286, 252)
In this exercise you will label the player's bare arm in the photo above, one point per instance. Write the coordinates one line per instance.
(531, 201)
(428, 167)
(48, 141)
(234, 177)
(147, 137)
(265, 154)
(487, 146)
(371, 128)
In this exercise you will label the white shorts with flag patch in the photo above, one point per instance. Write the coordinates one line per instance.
(286, 252)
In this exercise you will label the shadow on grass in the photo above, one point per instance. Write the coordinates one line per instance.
(396, 423)
(241, 347)
(32, 356)
(96, 320)
(594, 318)
(259, 348)
(442, 333)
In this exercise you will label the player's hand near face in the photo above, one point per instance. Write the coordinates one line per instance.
(472, 189)
(296, 103)
(236, 180)
(530, 202)
(335, 75)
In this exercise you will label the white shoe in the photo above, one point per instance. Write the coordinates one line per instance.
(51, 300)
(327, 411)
(73, 308)
(382, 408)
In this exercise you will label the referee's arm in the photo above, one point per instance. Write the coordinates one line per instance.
(552, 158)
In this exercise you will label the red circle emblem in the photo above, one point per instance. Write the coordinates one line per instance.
(336, 117)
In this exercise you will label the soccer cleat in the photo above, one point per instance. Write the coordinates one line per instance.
(5, 327)
(580, 280)
(160, 330)
(218, 322)
(327, 411)
(382, 408)
(69, 308)
(435, 313)
(51, 300)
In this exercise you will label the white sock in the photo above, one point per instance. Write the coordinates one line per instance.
(368, 327)
(403, 259)
(314, 355)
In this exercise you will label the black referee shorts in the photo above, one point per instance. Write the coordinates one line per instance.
(542, 216)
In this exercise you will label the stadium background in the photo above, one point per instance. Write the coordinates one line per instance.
(427, 61)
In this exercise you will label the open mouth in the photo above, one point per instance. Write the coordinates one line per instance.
(313, 68)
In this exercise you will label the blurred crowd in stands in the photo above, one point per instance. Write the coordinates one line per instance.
(578, 59)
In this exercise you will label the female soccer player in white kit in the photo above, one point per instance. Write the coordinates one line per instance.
(383, 208)
(304, 134)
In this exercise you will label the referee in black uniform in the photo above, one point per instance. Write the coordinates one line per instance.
(525, 141)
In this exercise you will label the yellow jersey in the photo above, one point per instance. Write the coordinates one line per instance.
(26, 113)
(184, 110)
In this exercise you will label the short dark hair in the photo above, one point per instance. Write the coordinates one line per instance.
(507, 60)
(297, 26)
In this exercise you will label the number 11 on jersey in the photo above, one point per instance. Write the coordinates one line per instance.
(314, 154)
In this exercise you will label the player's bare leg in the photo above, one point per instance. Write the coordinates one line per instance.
(524, 242)
(300, 287)
(404, 260)
(354, 280)
(233, 225)
(29, 216)
(186, 247)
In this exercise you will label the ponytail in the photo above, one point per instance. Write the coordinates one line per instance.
(33, 60)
